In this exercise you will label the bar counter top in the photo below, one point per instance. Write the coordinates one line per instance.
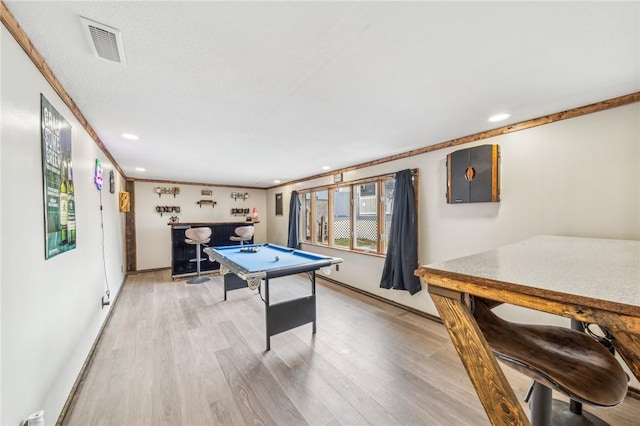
(233, 222)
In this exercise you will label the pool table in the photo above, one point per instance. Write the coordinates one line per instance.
(249, 265)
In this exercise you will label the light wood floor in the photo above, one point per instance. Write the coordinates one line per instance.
(177, 354)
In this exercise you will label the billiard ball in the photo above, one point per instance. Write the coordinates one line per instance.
(277, 258)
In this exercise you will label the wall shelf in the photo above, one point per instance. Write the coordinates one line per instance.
(206, 203)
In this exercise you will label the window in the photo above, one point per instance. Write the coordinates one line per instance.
(341, 217)
(321, 216)
(366, 217)
(351, 215)
(387, 209)
(368, 200)
(305, 216)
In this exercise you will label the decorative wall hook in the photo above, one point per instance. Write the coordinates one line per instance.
(239, 212)
(240, 195)
(167, 190)
(167, 209)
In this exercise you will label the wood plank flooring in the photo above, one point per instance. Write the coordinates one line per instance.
(177, 354)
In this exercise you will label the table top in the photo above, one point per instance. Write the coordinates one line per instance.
(269, 261)
(603, 271)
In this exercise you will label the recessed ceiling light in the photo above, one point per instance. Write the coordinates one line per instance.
(130, 136)
(140, 169)
(276, 181)
(326, 167)
(499, 117)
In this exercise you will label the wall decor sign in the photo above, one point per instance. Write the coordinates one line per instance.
(58, 188)
(97, 175)
(124, 199)
(279, 204)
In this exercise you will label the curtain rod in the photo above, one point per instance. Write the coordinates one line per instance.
(355, 182)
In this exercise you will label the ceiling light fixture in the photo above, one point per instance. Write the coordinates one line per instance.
(130, 136)
(140, 169)
(499, 117)
(326, 167)
(276, 181)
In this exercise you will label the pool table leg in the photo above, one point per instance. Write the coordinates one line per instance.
(266, 312)
(233, 282)
(282, 316)
(313, 291)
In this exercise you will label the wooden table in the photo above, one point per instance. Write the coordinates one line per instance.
(591, 280)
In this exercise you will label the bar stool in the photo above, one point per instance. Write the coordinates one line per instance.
(243, 233)
(197, 236)
(556, 358)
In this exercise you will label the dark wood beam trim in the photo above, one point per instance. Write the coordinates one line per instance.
(130, 229)
(23, 40)
(547, 119)
(177, 182)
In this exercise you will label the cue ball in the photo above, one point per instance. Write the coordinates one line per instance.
(277, 258)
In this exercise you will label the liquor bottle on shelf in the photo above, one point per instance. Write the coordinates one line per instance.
(71, 208)
(64, 199)
(53, 203)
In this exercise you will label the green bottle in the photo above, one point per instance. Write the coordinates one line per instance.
(71, 208)
(64, 212)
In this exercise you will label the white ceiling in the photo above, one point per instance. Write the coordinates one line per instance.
(242, 93)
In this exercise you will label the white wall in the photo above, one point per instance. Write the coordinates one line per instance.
(153, 235)
(50, 309)
(578, 177)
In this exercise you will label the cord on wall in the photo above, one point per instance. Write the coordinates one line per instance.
(106, 302)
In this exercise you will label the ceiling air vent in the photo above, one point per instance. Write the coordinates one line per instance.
(105, 42)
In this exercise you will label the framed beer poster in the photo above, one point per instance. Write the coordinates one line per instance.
(57, 173)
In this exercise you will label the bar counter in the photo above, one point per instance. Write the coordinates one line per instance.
(181, 252)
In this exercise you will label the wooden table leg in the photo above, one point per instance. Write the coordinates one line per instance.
(499, 401)
(628, 346)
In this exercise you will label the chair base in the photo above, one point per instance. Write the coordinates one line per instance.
(561, 414)
(545, 411)
(198, 280)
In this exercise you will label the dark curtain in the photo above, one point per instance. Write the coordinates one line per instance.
(294, 221)
(402, 252)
